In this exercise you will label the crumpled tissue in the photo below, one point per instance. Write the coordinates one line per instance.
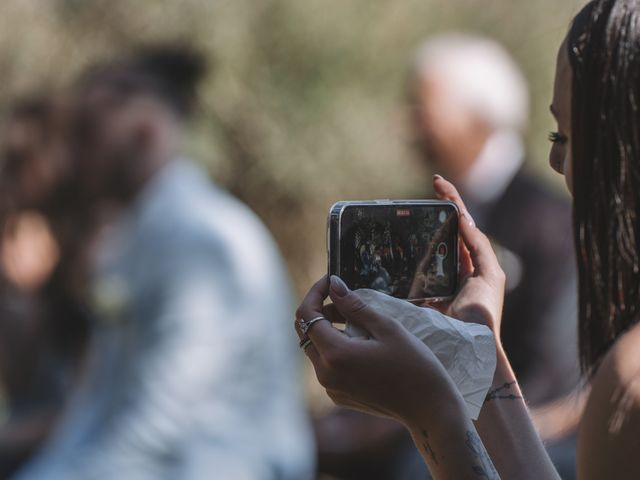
(466, 350)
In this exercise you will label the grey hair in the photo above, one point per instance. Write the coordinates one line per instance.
(480, 74)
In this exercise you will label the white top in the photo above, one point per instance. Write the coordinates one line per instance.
(500, 159)
(194, 368)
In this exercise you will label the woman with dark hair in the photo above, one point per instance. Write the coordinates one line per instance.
(597, 148)
(43, 332)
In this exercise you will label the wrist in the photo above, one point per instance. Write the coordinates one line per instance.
(504, 374)
(435, 419)
(436, 404)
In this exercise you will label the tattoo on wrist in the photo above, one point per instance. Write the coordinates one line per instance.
(483, 466)
(503, 392)
(426, 446)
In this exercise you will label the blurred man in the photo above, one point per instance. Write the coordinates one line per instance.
(193, 369)
(470, 106)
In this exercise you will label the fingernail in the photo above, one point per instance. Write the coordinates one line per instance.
(469, 218)
(437, 177)
(338, 286)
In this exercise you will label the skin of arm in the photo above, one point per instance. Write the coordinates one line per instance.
(507, 437)
(507, 431)
(450, 445)
(608, 440)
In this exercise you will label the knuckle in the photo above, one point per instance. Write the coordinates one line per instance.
(324, 378)
(327, 378)
(357, 305)
(385, 325)
(296, 327)
(483, 241)
(496, 269)
(336, 360)
(333, 396)
(474, 245)
(498, 274)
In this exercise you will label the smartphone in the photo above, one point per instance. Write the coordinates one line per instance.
(404, 248)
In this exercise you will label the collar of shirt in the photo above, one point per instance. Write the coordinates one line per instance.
(498, 162)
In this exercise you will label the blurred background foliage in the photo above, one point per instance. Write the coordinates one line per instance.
(304, 105)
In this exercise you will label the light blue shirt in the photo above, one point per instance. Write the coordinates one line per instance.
(195, 369)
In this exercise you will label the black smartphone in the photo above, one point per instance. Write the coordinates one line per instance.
(404, 248)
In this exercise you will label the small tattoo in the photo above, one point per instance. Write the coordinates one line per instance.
(427, 447)
(500, 393)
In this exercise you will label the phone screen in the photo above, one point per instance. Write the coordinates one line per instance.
(407, 251)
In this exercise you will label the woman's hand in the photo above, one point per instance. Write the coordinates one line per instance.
(482, 281)
(391, 373)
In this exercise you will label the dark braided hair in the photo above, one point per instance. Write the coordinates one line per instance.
(604, 51)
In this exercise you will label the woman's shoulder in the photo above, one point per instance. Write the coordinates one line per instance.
(609, 438)
(625, 356)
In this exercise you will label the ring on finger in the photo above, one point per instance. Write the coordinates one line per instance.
(306, 325)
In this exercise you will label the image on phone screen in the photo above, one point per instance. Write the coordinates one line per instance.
(407, 251)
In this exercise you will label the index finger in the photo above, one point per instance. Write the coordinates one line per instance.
(323, 334)
(482, 256)
(446, 191)
(313, 302)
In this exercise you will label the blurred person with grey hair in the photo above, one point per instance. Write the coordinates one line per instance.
(192, 372)
(469, 106)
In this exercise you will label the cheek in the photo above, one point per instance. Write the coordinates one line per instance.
(557, 158)
(568, 170)
(560, 161)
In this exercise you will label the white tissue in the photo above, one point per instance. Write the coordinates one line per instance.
(466, 350)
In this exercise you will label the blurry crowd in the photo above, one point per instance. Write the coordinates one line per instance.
(146, 314)
(146, 328)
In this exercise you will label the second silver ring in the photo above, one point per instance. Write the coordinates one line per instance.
(306, 325)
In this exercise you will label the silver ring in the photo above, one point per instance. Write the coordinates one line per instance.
(305, 326)
(305, 342)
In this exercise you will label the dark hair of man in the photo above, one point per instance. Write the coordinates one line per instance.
(170, 73)
(604, 50)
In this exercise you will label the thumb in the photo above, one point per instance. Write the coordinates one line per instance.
(356, 311)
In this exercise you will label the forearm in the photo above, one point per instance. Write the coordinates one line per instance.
(449, 443)
(507, 431)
